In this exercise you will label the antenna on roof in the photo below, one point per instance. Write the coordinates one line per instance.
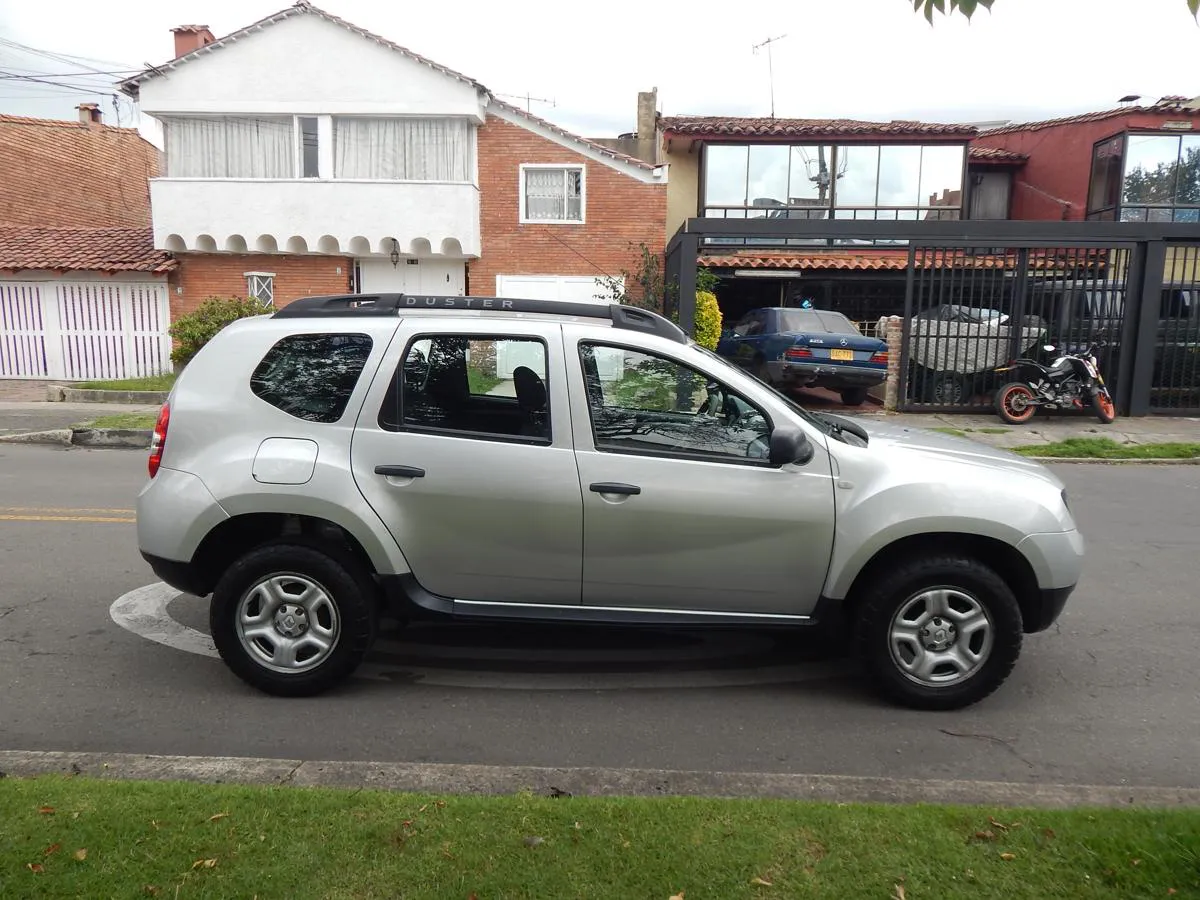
(770, 66)
(529, 100)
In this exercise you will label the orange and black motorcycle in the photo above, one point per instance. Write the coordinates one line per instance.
(1070, 381)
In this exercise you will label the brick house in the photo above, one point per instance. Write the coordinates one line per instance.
(83, 290)
(305, 155)
(1095, 165)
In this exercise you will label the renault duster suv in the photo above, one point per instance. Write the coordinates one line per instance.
(483, 458)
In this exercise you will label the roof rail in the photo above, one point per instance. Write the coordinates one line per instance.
(628, 317)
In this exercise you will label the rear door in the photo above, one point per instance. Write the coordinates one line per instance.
(463, 449)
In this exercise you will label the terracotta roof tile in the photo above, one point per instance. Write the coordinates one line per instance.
(995, 155)
(865, 261)
(1173, 106)
(740, 126)
(73, 175)
(599, 148)
(81, 249)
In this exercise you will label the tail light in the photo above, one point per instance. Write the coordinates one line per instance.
(797, 353)
(880, 356)
(159, 441)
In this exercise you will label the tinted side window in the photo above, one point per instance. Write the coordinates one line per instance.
(311, 376)
(474, 385)
(651, 405)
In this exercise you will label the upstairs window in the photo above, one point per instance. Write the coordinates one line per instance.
(387, 149)
(230, 147)
(306, 130)
(552, 195)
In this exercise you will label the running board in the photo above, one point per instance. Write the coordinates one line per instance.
(411, 600)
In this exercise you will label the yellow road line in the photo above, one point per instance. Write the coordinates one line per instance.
(61, 509)
(12, 518)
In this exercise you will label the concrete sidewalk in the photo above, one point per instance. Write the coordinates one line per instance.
(990, 429)
(22, 417)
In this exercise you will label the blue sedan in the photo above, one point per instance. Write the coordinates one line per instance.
(794, 348)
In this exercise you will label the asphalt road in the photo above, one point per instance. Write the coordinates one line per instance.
(1111, 696)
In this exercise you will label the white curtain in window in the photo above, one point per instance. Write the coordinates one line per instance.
(404, 149)
(230, 147)
(545, 193)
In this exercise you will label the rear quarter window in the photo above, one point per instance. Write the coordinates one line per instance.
(311, 376)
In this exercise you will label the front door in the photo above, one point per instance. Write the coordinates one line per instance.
(473, 472)
(682, 510)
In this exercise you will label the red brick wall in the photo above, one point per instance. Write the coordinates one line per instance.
(620, 213)
(204, 275)
(1060, 162)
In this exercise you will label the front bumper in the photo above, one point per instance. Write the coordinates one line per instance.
(1057, 561)
(1048, 607)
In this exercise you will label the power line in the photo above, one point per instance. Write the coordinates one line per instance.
(61, 57)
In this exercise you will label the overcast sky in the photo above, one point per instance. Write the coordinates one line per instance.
(870, 59)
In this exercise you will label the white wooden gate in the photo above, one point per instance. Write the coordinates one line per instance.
(81, 330)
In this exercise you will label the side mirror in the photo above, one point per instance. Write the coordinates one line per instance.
(790, 446)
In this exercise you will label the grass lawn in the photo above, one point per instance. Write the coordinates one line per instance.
(153, 383)
(1107, 448)
(64, 837)
(963, 432)
(479, 382)
(136, 421)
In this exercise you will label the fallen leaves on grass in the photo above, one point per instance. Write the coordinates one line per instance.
(204, 864)
(987, 835)
(533, 841)
(46, 810)
(899, 895)
(678, 896)
(80, 854)
(1008, 857)
(53, 848)
(218, 816)
(761, 882)
(151, 890)
(35, 868)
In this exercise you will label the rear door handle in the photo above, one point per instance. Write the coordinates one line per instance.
(400, 471)
(612, 487)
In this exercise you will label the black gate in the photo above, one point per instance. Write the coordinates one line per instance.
(1175, 375)
(971, 310)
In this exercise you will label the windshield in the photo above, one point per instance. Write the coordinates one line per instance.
(815, 320)
(810, 417)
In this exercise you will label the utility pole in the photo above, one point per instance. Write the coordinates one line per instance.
(770, 65)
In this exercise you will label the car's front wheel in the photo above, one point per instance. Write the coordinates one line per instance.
(292, 619)
(939, 632)
(854, 396)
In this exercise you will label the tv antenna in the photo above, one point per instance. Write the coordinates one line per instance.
(770, 66)
(529, 100)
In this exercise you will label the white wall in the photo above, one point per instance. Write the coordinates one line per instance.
(306, 64)
(423, 216)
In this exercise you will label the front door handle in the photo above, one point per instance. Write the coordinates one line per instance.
(400, 471)
(612, 487)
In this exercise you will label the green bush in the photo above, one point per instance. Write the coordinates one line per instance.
(708, 320)
(195, 329)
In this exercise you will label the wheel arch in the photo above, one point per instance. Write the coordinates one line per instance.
(1003, 558)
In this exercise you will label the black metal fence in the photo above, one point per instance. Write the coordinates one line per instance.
(980, 294)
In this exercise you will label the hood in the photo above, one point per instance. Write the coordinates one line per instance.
(935, 447)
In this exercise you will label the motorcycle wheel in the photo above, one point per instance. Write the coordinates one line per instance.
(1103, 406)
(1014, 403)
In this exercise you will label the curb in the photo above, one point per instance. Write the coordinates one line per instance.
(591, 782)
(1083, 460)
(60, 394)
(85, 437)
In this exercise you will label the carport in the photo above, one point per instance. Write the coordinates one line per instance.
(1018, 283)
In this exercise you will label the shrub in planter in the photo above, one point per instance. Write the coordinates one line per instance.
(195, 329)
(708, 320)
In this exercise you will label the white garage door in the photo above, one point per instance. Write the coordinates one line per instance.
(568, 288)
(571, 288)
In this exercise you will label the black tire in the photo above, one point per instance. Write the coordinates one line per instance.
(890, 592)
(1103, 407)
(946, 389)
(855, 396)
(1007, 410)
(346, 583)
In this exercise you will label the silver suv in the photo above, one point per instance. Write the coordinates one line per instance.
(481, 458)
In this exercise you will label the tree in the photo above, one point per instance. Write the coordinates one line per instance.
(968, 7)
(1167, 184)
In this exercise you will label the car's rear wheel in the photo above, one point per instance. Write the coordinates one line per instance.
(940, 632)
(855, 396)
(293, 619)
